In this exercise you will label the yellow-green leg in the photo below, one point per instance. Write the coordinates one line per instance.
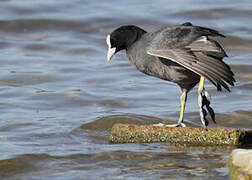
(201, 84)
(183, 98)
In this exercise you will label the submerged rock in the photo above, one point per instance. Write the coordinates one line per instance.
(240, 164)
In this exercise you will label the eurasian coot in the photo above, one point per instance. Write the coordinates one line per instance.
(184, 54)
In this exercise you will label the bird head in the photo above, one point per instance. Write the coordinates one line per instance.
(113, 45)
(122, 38)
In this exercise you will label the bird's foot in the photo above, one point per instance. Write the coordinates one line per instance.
(204, 100)
(170, 125)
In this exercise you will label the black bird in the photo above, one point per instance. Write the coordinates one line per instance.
(184, 54)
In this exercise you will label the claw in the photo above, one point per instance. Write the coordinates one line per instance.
(159, 124)
(211, 112)
(206, 102)
(208, 97)
(170, 125)
(176, 125)
(181, 125)
(204, 99)
(205, 119)
(200, 100)
(203, 114)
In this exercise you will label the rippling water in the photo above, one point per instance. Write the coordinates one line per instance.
(59, 97)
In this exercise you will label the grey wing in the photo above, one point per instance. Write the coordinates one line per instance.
(180, 36)
(198, 54)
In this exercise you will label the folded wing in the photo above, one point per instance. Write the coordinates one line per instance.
(190, 47)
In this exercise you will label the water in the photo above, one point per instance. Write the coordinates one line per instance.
(59, 97)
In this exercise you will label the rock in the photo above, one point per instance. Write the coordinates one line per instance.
(125, 133)
(240, 164)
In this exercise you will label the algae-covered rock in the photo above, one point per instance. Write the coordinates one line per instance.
(124, 133)
(240, 164)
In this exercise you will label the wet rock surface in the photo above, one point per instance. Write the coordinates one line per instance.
(241, 164)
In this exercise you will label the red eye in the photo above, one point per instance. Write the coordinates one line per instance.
(113, 41)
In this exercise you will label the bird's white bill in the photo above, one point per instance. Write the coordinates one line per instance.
(111, 52)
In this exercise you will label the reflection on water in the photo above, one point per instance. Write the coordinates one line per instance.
(122, 164)
(59, 97)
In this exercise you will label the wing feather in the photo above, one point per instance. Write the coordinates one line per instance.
(190, 61)
(190, 47)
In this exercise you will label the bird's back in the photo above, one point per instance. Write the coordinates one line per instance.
(159, 67)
